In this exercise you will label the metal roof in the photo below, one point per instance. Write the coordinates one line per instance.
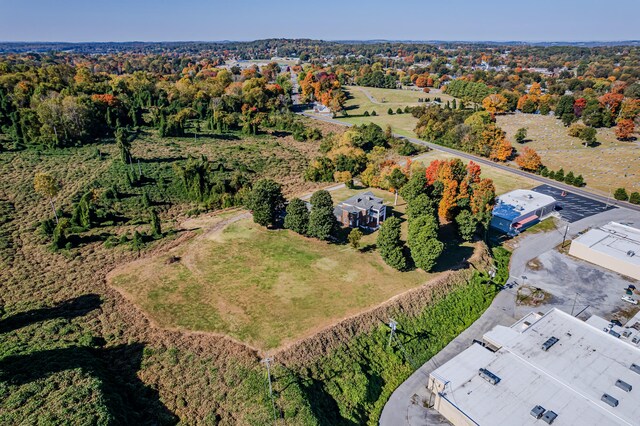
(568, 379)
(519, 203)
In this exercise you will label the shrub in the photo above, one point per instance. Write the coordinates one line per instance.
(621, 194)
(634, 198)
(399, 110)
(366, 113)
(559, 176)
(373, 113)
(354, 238)
(390, 111)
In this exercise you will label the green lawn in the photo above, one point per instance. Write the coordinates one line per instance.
(402, 124)
(263, 287)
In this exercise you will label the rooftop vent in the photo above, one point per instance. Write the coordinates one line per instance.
(614, 333)
(635, 368)
(538, 411)
(549, 417)
(624, 385)
(608, 399)
(489, 376)
(631, 253)
(550, 342)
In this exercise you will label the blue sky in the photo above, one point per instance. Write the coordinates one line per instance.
(162, 20)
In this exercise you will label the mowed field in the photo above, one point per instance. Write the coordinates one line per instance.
(383, 99)
(260, 286)
(605, 167)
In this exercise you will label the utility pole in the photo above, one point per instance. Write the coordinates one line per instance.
(392, 325)
(267, 362)
(564, 237)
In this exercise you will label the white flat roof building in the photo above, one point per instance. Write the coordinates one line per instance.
(580, 365)
(519, 209)
(613, 246)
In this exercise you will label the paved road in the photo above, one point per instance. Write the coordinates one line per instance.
(481, 160)
(405, 407)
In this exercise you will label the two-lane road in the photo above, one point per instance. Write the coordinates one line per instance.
(481, 160)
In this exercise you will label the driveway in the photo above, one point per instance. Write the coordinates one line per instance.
(406, 405)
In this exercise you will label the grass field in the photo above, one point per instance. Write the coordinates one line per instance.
(263, 287)
(605, 167)
(503, 181)
(403, 124)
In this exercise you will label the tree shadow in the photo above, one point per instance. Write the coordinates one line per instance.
(126, 397)
(324, 407)
(69, 309)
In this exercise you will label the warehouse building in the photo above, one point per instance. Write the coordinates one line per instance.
(517, 210)
(613, 246)
(550, 368)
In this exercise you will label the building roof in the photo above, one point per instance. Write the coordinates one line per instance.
(569, 378)
(615, 240)
(359, 202)
(520, 202)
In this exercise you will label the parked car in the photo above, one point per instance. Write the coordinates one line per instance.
(630, 300)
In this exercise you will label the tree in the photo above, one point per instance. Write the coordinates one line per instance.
(578, 181)
(297, 218)
(59, 237)
(448, 200)
(45, 185)
(467, 225)
(265, 200)
(588, 135)
(423, 241)
(529, 159)
(415, 186)
(634, 198)
(521, 135)
(156, 227)
(621, 194)
(396, 181)
(570, 178)
(501, 150)
(137, 243)
(123, 144)
(354, 238)
(390, 245)
(494, 104)
(624, 129)
(390, 111)
(421, 205)
(322, 221)
(344, 177)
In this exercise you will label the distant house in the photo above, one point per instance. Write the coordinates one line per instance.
(363, 210)
(319, 108)
(517, 210)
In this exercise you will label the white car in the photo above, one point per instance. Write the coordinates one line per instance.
(630, 300)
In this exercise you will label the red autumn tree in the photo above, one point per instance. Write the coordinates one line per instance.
(473, 172)
(624, 129)
(578, 106)
(529, 160)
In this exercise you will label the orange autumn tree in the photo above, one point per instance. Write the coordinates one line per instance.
(495, 104)
(448, 200)
(529, 160)
(624, 129)
(501, 150)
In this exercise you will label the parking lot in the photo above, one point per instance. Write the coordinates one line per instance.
(573, 207)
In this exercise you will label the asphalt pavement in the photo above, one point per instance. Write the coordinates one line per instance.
(564, 277)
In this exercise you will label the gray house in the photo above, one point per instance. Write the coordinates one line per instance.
(363, 210)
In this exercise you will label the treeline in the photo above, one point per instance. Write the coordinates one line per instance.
(57, 105)
(468, 90)
(378, 78)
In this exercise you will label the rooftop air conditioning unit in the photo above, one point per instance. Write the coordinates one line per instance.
(631, 253)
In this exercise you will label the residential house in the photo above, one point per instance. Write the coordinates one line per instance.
(363, 210)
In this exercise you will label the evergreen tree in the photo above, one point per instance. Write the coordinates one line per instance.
(354, 238)
(390, 245)
(467, 225)
(297, 218)
(265, 200)
(156, 229)
(634, 198)
(415, 186)
(621, 194)
(322, 221)
(137, 243)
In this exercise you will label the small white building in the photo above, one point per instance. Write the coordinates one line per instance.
(545, 369)
(613, 246)
(519, 209)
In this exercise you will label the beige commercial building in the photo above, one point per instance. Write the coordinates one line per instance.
(545, 369)
(613, 246)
